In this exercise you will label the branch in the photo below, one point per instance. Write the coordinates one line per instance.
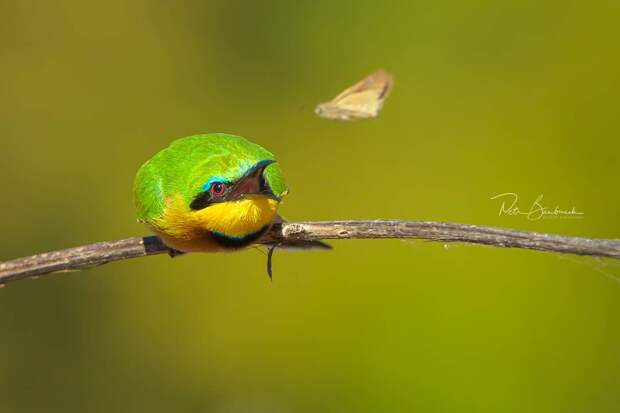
(92, 255)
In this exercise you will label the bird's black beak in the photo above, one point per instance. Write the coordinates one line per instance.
(253, 182)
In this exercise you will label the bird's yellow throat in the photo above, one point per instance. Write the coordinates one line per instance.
(232, 219)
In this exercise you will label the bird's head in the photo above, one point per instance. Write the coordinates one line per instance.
(251, 184)
(217, 182)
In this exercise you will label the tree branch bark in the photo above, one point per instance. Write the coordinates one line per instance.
(92, 255)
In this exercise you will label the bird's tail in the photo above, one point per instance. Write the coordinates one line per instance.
(292, 245)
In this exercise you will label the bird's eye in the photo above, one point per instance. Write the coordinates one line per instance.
(217, 189)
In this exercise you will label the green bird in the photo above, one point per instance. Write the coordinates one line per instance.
(211, 192)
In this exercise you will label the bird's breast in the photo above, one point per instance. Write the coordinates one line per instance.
(220, 226)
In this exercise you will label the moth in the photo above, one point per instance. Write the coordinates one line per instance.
(362, 100)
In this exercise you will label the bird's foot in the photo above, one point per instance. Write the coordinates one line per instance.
(174, 253)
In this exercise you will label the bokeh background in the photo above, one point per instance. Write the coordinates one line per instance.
(490, 97)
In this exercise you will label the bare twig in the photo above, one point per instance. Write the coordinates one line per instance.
(103, 252)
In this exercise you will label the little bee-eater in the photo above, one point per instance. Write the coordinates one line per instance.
(212, 192)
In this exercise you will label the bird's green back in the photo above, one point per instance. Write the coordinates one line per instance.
(187, 164)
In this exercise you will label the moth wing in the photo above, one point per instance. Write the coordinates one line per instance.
(379, 82)
(362, 100)
(364, 104)
(330, 111)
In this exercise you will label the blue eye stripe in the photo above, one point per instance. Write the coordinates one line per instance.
(213, 180)
(243, 171)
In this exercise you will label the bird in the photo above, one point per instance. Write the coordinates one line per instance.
(211, 193)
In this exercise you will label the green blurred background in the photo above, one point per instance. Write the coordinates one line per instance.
(490, 97)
